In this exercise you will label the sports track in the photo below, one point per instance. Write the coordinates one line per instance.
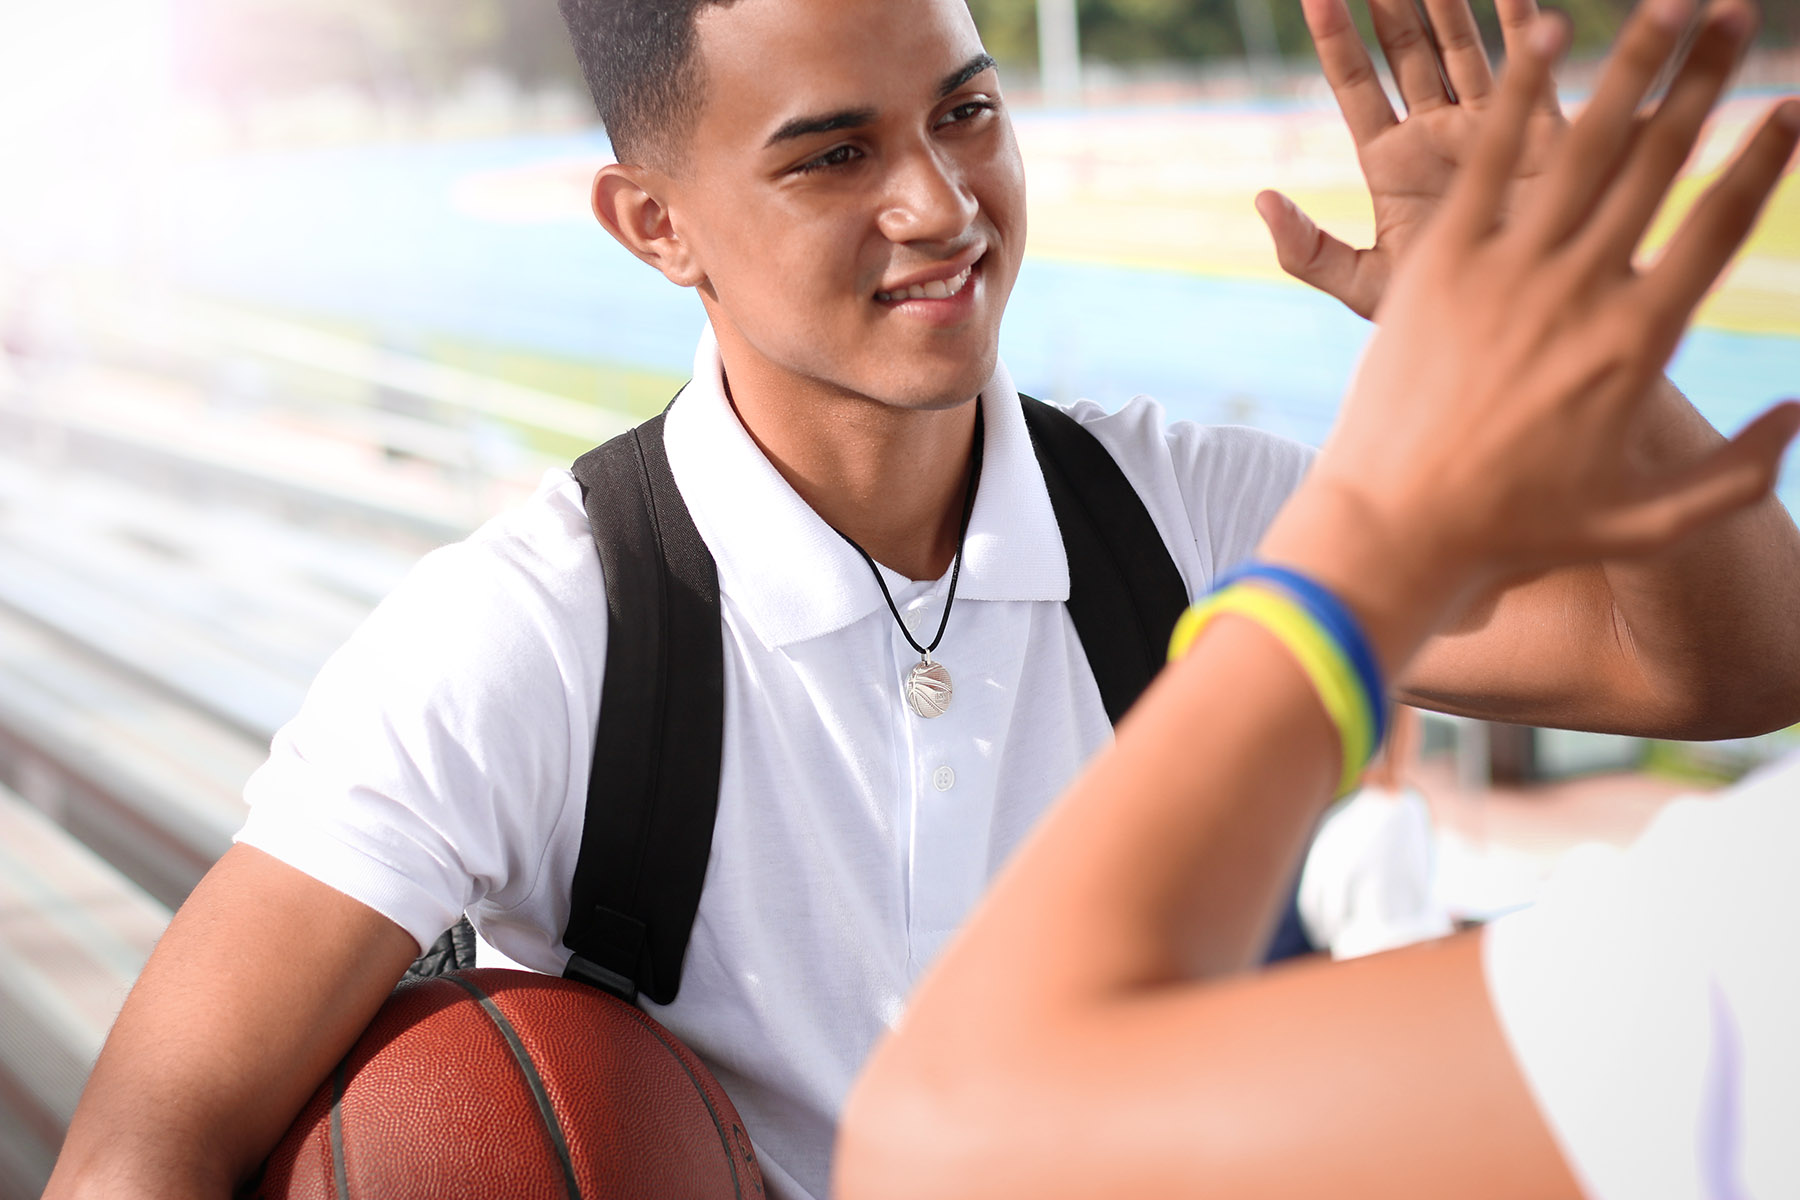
(1148, 270)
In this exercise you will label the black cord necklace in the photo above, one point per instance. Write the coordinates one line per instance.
(927, 687)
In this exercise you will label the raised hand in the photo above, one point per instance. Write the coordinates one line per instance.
(1446, 83)
(1490, 414)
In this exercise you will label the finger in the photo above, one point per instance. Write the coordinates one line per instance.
(1590, 155)
(1348, 69)
(1516, 19)
(1411, 56)
(1723, 217)
(1732, 478)
(1460, 46)
(1473, 205)
(1316, 258)
(1667, 139)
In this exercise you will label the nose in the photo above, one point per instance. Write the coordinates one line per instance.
(927, 199)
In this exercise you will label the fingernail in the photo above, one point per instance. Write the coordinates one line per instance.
(1548, 38)
(1733, 20)
(1672, 15)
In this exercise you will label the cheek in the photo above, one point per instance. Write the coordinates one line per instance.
(786, 257)
(1006, 170)
(1006, 210)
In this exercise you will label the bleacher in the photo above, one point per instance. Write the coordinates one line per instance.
(174, 568)
(74, 933)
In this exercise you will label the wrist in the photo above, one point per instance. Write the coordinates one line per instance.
(1400, 579)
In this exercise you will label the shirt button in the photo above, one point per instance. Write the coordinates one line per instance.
(943, 779)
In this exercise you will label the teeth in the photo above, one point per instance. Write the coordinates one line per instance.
(937, 289)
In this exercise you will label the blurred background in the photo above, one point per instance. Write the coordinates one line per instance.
(293, 290)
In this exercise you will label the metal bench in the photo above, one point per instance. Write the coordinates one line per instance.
(74, 934)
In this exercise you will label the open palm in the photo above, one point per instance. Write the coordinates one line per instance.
(1446, 82)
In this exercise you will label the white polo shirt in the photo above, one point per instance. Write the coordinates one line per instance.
(440, 761)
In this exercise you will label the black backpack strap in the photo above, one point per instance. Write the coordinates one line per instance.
(1125, 593)
(653, 791)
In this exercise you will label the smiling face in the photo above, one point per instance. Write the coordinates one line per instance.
(851, 199)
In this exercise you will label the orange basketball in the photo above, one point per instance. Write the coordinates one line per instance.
(490, 1083)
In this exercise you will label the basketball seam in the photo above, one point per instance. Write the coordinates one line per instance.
(340, 1175)
(737, 1189)
(551, 1125)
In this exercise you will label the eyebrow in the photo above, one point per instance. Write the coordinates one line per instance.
(854, 118)
(962, 75)
(799, 127)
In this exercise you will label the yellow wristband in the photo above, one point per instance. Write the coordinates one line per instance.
(1318, 655)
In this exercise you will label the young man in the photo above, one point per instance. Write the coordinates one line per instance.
(839, 181)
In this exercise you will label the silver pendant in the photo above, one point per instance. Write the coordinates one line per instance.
(928, 688)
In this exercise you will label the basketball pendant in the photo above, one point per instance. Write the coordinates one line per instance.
(928, 689)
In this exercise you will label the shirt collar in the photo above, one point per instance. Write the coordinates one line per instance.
(791, 574)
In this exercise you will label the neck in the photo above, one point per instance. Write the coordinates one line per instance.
(892, 479)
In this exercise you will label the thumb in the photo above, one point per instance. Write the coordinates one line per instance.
(1314, 257)
(1733, 477)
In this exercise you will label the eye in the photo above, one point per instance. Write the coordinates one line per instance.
(968, 110)
(837, 156)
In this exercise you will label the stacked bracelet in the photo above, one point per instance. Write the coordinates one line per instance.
(1342, 625)
(1325, 640)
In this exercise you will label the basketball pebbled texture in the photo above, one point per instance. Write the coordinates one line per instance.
(505, 1084)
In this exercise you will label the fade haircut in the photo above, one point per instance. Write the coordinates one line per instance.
(638, 57)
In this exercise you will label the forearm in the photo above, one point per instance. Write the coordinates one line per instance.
(261, 982)
(171, 1109)
(1691, 642)
(1167, 863)
(1168, 859)
(1708, 624)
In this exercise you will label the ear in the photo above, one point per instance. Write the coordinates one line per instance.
(632, 202)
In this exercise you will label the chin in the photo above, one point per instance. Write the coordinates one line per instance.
(931, 386)
(930, 399)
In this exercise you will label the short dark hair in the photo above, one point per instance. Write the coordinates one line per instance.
(638, 57)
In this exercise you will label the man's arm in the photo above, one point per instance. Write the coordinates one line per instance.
(261, 983)
(1695, 642)
(1690, 643)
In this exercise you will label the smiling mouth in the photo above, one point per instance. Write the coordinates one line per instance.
(937, 289)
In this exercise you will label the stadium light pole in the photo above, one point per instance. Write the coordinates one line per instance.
(1260, 47)
(1059, 51)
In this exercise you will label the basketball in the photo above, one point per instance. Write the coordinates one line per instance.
(491, 1083)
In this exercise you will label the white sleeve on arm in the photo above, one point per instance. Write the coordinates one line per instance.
(1238, 479)
(1649, 999)
(1212, 489)
(431, 765)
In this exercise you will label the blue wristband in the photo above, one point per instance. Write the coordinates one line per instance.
(1330, 612)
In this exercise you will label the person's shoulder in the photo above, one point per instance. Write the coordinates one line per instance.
(545, 540)
(1141, 429)
(444, 742)
(523, 588)
(1227, 481)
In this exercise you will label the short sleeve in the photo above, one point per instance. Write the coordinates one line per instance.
(1236, 479)
(435, 756)
(1648, 1000)
(1211, 489)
